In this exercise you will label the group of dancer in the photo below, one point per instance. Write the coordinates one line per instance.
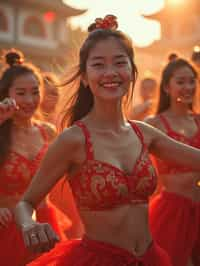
(107, 161)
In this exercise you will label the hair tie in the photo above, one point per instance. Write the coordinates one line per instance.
(108, 22)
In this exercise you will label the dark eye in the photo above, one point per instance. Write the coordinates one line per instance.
(36, 92)
(193, 81)
(180, 82)
(121, 63)
(20, 93)
(97, 65)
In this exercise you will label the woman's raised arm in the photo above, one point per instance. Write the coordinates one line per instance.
(169, 149)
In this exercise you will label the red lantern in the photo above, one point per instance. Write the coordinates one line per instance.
(49, 16)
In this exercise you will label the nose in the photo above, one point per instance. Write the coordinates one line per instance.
(29, 99)
(110, 71)
(190, 87)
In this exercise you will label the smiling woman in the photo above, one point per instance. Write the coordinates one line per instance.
(179, 185)
(23, 143)
(105, 159)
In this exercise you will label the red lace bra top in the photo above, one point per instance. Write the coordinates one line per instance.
(170, 168)
(100, 185)
(17, 171)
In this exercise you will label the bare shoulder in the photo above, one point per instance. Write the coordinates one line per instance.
(155, 121)
(71, 143)
(49, 128)
(147, 131)
(72, 135)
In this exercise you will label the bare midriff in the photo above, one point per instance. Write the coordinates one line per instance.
(184, 184)
(124, 226)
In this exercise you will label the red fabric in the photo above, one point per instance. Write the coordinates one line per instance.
(88, 252)
(170, 168)
(12, 249)
(55, 217)
(15, 176)
(174, 223)
(100, 185)
(196, 253)
(61, 196)
(17, 171)
(175, 220)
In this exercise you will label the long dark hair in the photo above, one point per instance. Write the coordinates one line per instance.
(81, 101)
(168, 71)
(14, 67)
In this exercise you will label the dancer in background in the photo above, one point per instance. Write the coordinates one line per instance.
(50, 97)
(23, 143)
(105, 158)
(196, 56)
(175, 211)
(148, 92)
(172, 56)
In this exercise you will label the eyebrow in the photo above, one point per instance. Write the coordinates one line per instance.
(102, 57)
(21, 88)
(183, 77)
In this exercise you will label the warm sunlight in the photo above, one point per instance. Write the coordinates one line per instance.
(196, 49)
(176, 2)
(142, 31)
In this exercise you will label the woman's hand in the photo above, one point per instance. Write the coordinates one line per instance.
(5, 217)
(7, 109)
(39, 237)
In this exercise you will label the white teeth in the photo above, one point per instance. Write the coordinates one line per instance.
(110, 84)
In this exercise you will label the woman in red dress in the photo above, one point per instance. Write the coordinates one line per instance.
(175, 211)
(23, 143)
(105, 158)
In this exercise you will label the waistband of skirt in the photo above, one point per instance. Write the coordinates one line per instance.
(178, 198)
(108, 249)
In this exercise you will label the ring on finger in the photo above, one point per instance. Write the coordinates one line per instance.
(33, 235)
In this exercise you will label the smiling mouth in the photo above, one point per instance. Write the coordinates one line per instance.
(111, 85)
(187, 95)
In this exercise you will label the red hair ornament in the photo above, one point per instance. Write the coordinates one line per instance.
(108, 22)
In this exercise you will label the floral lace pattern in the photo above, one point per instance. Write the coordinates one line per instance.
(16, 174)
(100, 185)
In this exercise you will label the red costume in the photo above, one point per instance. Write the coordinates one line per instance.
(101, 186)
(15, 176)
(175, 219)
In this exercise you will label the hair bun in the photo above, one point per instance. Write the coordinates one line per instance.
(172, 56)
(14, 57)
(195, 53)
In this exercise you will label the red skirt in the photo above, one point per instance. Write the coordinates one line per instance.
(58, 220)
(175, 226)
(196, 250)
(12, 249)
(87, 252)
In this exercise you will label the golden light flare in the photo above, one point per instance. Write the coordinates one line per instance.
(196, 49)
(176, 2)
(130, 16)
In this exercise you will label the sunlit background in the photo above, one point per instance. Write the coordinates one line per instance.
(129, 12)
(51, 32)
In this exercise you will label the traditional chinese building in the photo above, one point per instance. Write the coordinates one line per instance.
(38, 28)
(180, 31)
